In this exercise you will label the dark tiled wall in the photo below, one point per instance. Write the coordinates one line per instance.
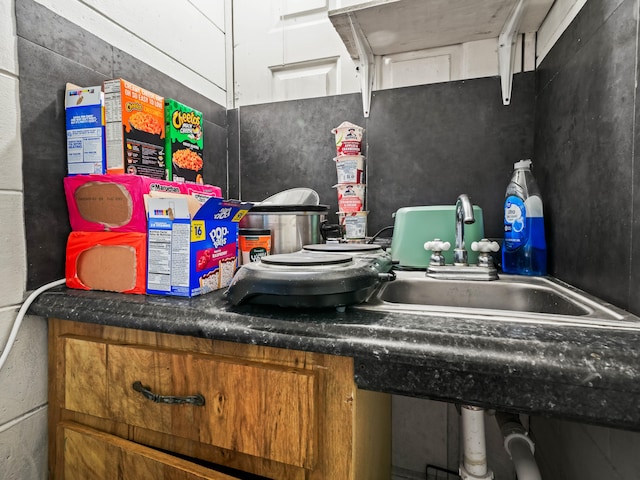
(585, 143)
(424, 146)
(52, 52)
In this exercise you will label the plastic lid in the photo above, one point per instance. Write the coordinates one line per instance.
(289, 209)
(254, 231)
(522, 164)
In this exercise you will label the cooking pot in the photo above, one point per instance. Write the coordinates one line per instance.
(292, 226)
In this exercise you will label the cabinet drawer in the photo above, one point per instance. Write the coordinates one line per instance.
(93, 455)
(263, 410)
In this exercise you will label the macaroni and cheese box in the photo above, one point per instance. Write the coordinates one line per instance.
(135, 130)
(189, 255)
(84, 112)
(185, 142)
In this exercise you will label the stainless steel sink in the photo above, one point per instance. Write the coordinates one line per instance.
(515, 298)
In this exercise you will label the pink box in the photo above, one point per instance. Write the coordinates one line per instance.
(115, 203)
(202, 193)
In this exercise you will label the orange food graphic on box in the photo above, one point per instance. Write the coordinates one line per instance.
(188, 159)
(145, 122)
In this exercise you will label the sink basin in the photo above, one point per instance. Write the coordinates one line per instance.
(511, 297)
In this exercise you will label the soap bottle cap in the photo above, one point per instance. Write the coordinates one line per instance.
(522, 164)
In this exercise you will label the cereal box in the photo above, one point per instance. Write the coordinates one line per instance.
(184, 145)
(191, 254)
(135, 130)
(84, 112)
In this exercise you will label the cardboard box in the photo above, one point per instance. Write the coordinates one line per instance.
(188, 254)
(202, 193)
(116, 203)
(185, 142)
(114, 262)
(84, 112)
(135, 130)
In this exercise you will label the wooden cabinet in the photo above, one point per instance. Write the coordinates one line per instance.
(90, 454)
(185, 407)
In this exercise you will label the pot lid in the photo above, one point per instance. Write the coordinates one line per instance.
(254, 231)
(288, 208)
(293, 196)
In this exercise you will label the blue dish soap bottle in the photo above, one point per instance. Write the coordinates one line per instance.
(524, 251)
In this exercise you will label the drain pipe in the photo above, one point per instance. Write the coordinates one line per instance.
(519, 446)
(474, 456)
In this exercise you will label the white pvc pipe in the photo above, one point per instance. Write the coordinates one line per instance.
(474, 457)
(519, 446)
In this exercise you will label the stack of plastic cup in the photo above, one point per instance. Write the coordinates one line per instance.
(350, 187)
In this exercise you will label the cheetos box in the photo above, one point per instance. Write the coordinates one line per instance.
(111, 202)
(135, 130)
(115, 262)
(184, 142)
(192, 253)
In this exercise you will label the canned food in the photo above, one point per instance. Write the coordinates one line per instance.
(255, 243)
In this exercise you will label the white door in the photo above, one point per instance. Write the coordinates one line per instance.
(288, 49)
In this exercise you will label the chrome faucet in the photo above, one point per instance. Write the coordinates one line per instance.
(484, 270)
(464, 215)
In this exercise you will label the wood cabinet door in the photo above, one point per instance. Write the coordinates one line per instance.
(93, 455)
(260, 409)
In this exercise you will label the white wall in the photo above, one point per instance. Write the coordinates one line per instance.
(23, 379)
(558, 19)
(192, 53)
(288, 49)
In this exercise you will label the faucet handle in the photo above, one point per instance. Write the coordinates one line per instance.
(437, 245)
(485, 246)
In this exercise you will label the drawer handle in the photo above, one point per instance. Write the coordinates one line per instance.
(196, 399)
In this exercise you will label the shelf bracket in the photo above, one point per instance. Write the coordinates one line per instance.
(506, 49)
(366, 64)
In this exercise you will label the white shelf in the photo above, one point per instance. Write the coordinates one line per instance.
(385, 27)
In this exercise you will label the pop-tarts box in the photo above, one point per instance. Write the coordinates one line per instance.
(84, 112)
(189, 255)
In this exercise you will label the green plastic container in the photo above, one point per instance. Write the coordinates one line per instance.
(413, 226)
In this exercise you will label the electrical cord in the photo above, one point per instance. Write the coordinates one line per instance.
(21, 313)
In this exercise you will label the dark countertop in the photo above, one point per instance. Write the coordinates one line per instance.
(581, 373)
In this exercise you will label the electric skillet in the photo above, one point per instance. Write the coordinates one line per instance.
(323, 275)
